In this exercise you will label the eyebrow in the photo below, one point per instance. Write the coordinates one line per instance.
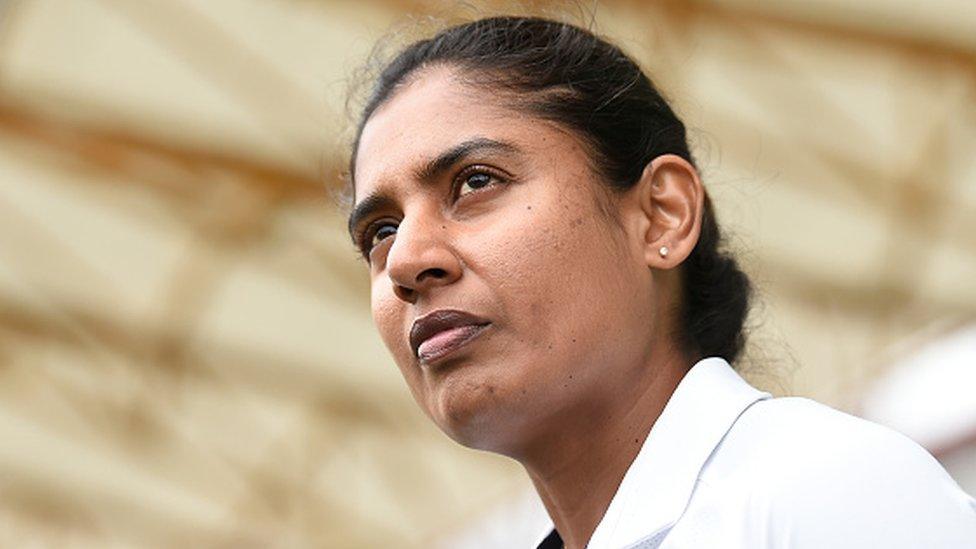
(427, 172)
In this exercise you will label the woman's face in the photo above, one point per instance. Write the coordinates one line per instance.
(488, 248)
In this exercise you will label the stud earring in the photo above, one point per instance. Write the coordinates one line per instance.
(663, 251)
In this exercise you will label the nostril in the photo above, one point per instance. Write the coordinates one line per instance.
(433, 272)
(404, 293)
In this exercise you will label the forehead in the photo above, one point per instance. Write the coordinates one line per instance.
(433, 113)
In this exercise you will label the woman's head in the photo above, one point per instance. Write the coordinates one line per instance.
(528, 173)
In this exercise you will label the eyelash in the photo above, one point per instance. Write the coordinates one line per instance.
(365, 237)
(494, 175)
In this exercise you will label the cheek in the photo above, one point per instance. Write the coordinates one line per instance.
(389, 314)
(386, 314)
(567, 283)
(522, 265)
(560, 265)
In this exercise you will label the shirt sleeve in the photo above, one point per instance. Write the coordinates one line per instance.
(870, 487)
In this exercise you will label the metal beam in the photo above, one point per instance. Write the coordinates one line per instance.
(755, 15)
(125, 154)
(203, 44)
(145, 346)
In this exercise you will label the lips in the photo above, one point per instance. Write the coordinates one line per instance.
(441, 332)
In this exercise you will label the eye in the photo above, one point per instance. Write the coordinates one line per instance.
(375, 234)
(476, 179)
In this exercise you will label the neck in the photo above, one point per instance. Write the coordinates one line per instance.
(578, 467)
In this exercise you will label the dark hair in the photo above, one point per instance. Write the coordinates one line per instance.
(566, 74)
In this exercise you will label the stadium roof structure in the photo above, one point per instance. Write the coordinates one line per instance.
(186, 351)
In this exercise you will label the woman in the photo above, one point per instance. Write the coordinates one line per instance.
(546, 272)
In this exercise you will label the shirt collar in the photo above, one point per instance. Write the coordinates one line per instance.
(657, 487)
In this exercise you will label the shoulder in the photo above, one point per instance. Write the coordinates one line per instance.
(804, 433)
(795, 438)
(820, 477)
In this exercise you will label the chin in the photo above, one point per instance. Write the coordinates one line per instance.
(473, 411)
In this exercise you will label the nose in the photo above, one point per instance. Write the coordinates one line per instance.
(421, 259)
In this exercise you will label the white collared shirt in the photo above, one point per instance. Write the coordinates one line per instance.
(727, 466)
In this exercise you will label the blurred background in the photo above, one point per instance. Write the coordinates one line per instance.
(186, 351)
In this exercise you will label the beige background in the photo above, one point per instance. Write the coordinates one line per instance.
(186, 352)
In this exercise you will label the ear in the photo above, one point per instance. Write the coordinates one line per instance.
(670, 197)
